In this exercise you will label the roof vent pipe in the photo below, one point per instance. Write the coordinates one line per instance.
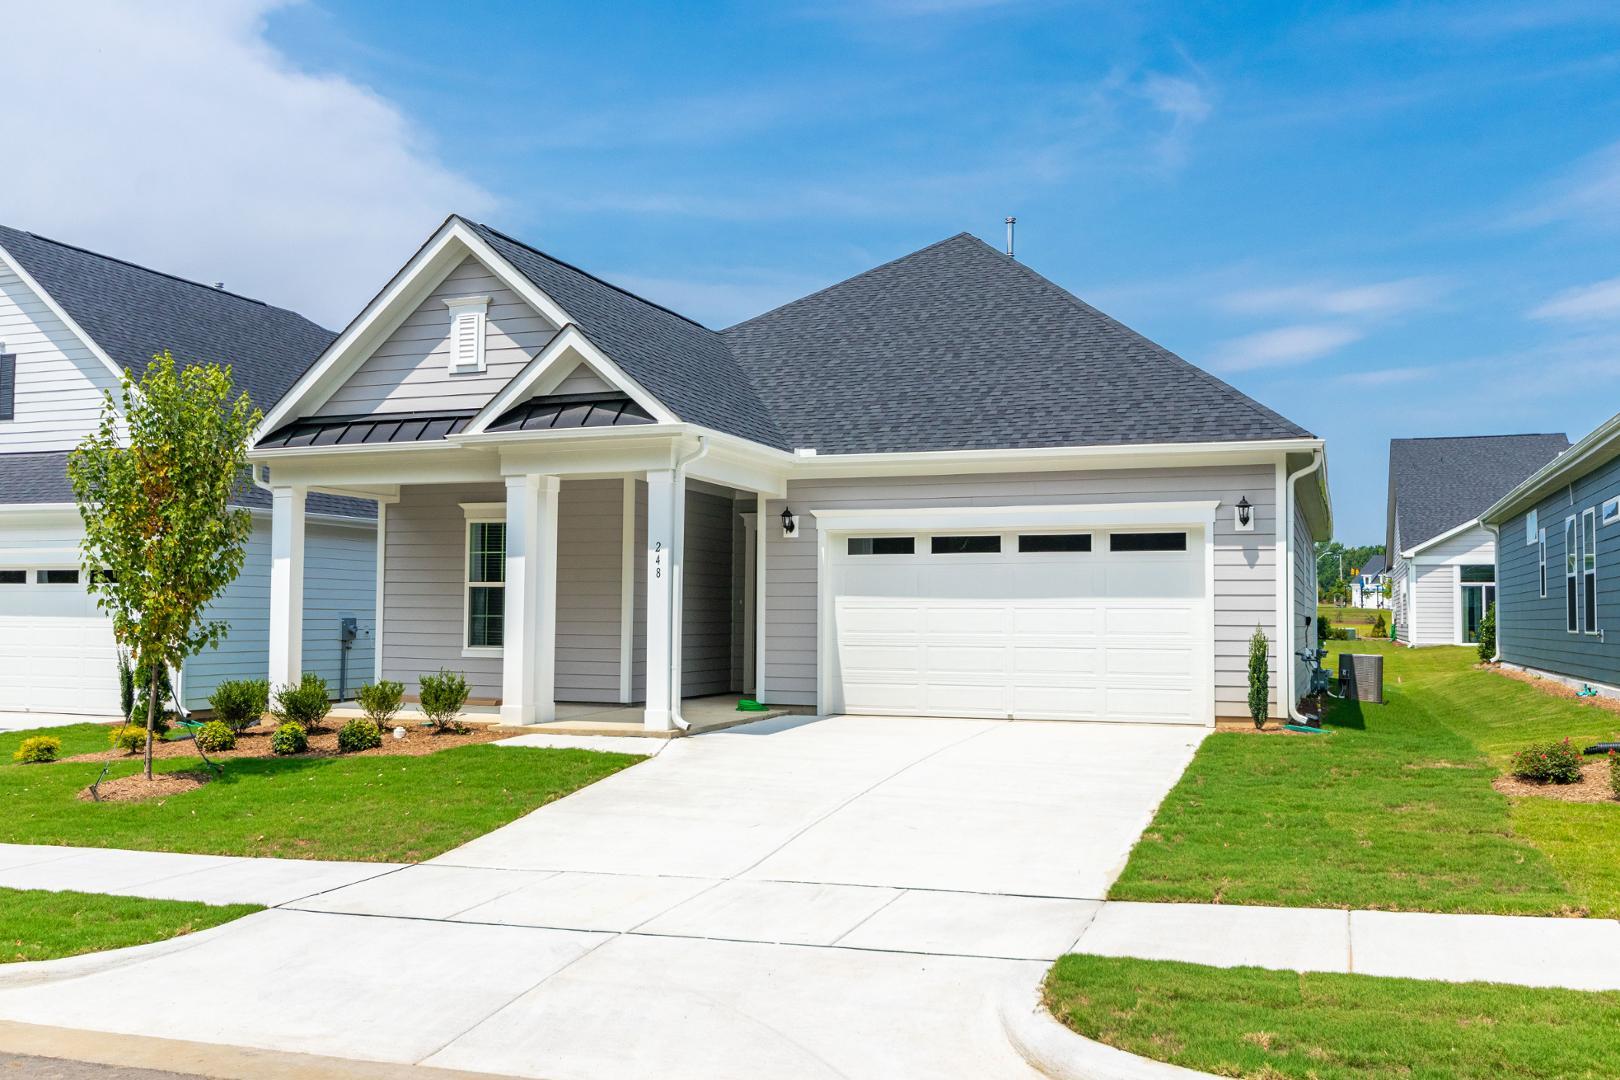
(219, 284)
(1011, 221)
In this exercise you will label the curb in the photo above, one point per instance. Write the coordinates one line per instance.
(1056, 1052)
(35, 972)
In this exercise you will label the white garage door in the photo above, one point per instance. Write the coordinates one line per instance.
(1094, 625)
(56, 649)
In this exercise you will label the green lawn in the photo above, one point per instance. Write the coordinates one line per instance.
(375, 808)
(1393, 810)
(1360, 618)
(76, 739)
(1276, 1024)
(39, 925)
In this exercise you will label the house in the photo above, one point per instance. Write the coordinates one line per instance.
(1367, 587)
(71, 323)
(1560, 537)
(1444, 572)
(944, 487)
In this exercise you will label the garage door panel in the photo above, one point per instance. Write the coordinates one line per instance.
(58, 663)
(1155, 661)
(974, 620)
(858, 615)
(1078, 661)
(1149, 704)
(1159, 623)
(1083, 619)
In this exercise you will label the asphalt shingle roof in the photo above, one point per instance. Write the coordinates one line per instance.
(1375, 566)
(958, 347)
(1438, 484)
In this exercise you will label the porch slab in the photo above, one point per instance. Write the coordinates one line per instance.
(585, 718)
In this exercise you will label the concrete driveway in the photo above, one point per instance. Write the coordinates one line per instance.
(844, 897)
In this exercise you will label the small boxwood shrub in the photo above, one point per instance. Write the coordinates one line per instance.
(305, 703)
(443, 696)
(215, 736)
(1552, 763)
(381, 701)
(131, 738)
(290, 738)
(240, 703)
(38, 749)
(359, 734)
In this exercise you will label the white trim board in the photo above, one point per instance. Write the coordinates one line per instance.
(1002, 518)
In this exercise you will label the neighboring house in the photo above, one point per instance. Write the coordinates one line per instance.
(945, 487)
(1444, 570)
(1560, 545)
(1367, 587)
(71, 323)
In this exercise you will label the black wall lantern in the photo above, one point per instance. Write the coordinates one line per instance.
(790, 524)
(1245, 514)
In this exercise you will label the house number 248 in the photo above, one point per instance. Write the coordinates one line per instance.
(658, 558)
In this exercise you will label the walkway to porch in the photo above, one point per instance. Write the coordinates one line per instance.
(712, 713)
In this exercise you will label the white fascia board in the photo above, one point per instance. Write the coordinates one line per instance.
(1586, 454)
(112, 366)
(431, 264)
(1000, 518)
(569, 339)
(263, 513)
(16, 511)
(1140, 455)
(1411, 552)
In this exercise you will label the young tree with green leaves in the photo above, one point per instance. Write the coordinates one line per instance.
(154, 484)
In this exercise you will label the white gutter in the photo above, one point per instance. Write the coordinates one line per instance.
(678, 586)
(1288, 600)
(1496, 572)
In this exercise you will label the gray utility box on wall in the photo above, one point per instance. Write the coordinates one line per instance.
(1361, 677)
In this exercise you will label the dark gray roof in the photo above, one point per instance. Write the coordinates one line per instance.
(132, 312)
(1438, 484)
(683, 364)
(1375, 566)
(959, 347)
(351, 430)
(42, 478)
(555, 411)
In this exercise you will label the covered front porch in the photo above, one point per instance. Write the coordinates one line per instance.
(714, 712)
(567, 586)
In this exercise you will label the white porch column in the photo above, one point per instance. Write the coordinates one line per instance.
(529, 641)
(663, 569)
(761, 607)
(286, 585)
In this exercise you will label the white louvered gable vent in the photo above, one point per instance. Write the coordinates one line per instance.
(468, 315)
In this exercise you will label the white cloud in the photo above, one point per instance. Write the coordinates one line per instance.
(1600, 300)
(1186, 103)
(1283, 347)
(1373, 299)
(1588, 195)
(174, 135)
(1385, 376)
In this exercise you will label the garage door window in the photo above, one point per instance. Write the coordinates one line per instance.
(964, 545)
(57, 577)
(1148, 541)
(13, 577)
(882, 545)
(1045, 542)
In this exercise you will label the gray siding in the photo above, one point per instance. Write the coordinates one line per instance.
(706, 588)
(1532, 631)
(590, 530)
(1245, 563)
(59, 381)
(409, 371)
(340, 579)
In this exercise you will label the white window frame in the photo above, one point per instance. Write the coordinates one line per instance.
(478, 514)
(1589, 623)
(1611, 511)
(1532, 527)
(1572, 619)
(469, 320)
(1542, 540)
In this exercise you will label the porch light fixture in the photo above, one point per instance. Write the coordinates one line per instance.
(1245, 515)
(790, 524)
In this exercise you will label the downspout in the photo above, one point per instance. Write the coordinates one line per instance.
(1288, 522)
(678, 586)
(1496, 573)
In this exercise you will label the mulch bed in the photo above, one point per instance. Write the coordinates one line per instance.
(255, 743)
(1246, 727)
(138, 788)
(1593, 788)
(1553, 687)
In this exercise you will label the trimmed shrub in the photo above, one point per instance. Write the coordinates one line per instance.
(359, 734)
(381, 701)
(1380, 627)
(443, 696)
(215, 736)
(1259, 678)
(290, 738)
(131, 738)
(38, 749)
(305, 703)
(240, 703)
(1552, 763)
(1487, 635)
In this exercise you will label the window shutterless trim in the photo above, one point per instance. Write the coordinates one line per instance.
(1589, 620)
(1543, 542)
(1572, 607)
(469, 584)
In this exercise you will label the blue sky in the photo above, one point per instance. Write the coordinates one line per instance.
(1379, 220)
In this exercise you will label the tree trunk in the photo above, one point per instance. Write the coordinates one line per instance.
(151, 717)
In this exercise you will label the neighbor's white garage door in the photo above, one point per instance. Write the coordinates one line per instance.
(1094, 625)
(56, 649)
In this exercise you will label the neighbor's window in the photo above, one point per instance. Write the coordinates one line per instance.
(882, 545)
(1055, 542)
(1153, 541)
(1542, 540)
(1481, 572)
(57, 577)
(1589, 569)
(1611, 511)
(964, 545)
(1572, 605)
(13, 577)
(486, 584)
(1530, 527)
